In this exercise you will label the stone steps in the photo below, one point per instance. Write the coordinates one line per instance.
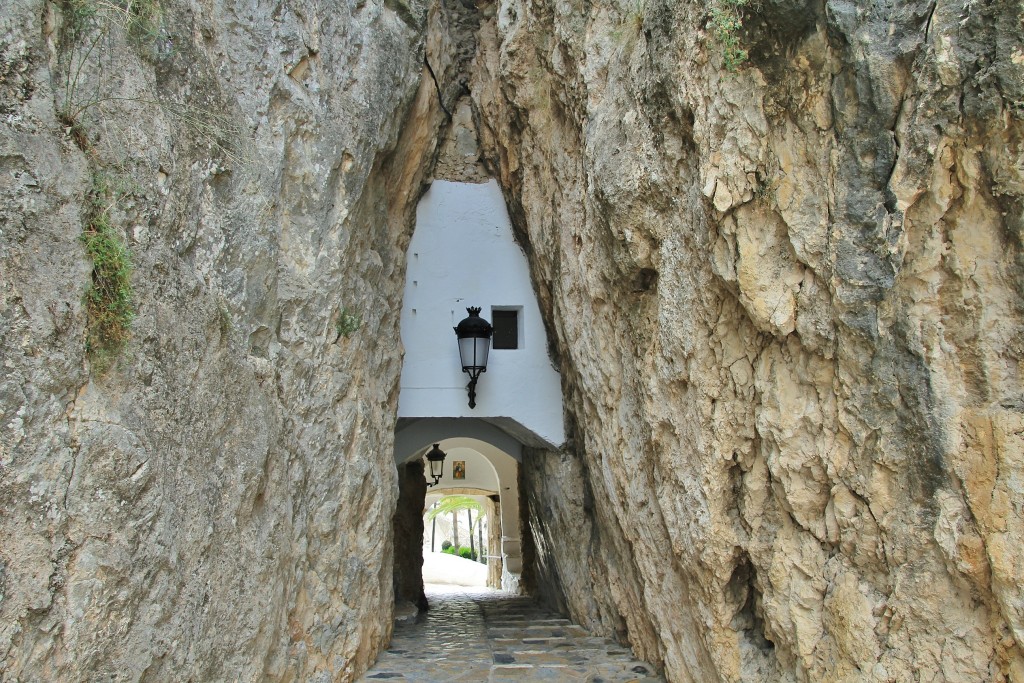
(489, 636)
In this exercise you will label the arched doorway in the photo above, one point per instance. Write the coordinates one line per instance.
(489, 459)
(464, 514)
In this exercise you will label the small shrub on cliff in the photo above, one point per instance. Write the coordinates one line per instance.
(445, 546)
(108, 300)
(91, 99)
(726, 22)
(347, 323)
(467, 553)
(140, 18)
(631, 23)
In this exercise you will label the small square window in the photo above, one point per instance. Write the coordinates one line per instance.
(506, 329)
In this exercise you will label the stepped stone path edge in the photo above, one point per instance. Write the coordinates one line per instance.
(485, 635)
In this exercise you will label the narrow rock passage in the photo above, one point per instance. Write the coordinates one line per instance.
(496, 637)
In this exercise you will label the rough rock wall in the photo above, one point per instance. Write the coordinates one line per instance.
(567, 561)
(788, 307)
(408, 534)
(215, 504)
(786, 301)
(494, 562)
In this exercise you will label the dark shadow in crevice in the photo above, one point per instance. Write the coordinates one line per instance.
(408, 530)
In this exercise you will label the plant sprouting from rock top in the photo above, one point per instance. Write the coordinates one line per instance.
(142, 18)
(94, 84)
(726, 22)
(109, 298)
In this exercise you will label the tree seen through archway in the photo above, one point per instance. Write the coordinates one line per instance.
(455, 504)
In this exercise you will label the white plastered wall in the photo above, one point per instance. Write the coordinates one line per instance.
(479, 472)
(463, 254)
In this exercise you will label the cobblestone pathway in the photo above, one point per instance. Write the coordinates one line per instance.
(494, 637)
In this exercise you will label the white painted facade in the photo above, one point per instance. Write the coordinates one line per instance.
(463, 254)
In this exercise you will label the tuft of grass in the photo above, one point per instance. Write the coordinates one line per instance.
(109, 299)
(347, 323)
(631, 23)
(142, 20)
(89, 94)
(88, 28)
(726, 22)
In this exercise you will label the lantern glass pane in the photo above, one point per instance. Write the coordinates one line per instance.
(436, 467)
(467, 348)
(473, 351)
(483, 345)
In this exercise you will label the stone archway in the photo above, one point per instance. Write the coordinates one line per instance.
(478, 443)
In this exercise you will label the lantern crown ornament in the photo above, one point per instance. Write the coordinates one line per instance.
(474, 335)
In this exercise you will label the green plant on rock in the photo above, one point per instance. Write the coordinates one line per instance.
(142, 18)
(726, 22)
(224, 320)
(109, 299)
(91, 69)
(347, 323)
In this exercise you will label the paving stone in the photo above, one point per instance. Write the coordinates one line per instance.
(493, 637)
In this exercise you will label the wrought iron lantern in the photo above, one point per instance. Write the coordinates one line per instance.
(435, 457)
(474, 335)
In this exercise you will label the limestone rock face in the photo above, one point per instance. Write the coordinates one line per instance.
(788, 306)
(786, 302)
(214, 504)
